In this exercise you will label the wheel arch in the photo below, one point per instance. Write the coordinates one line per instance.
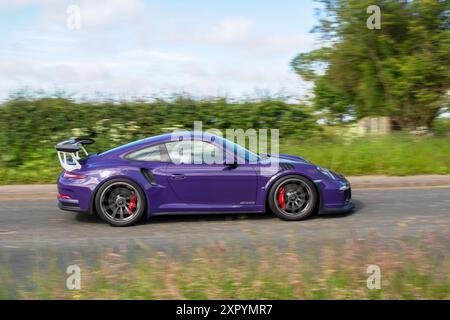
(272, 182)
(92, 208)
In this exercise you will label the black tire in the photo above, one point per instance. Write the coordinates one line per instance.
(301, 203)
(113, 202)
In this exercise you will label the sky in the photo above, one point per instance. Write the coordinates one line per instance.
(139, 48)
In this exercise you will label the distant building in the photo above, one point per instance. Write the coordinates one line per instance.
(375, 125)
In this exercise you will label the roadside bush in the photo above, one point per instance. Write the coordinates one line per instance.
(441, 126)
(29, 128)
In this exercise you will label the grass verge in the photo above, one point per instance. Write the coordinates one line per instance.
(410, 269)
(394, 155)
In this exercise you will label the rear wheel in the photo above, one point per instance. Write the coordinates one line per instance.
(120, 202)
(293, 198)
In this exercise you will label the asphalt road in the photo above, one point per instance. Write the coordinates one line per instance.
(30, 227)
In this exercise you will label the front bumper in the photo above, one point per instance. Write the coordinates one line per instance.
(345, 209)
(335, 195)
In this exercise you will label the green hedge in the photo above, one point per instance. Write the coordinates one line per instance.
(30, 128)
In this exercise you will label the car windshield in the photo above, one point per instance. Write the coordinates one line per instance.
(242, 152)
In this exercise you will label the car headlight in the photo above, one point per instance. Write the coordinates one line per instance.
(326, 172)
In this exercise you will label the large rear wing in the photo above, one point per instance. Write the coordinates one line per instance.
(69, 152)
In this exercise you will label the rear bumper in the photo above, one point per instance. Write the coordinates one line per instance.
(77, 195)
(66, 207)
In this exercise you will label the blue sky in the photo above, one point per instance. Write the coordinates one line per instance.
(127, 48)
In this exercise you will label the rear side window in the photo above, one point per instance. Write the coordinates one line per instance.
(151, 154)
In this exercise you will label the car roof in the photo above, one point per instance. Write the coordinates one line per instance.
(162, 138)
(166, 137)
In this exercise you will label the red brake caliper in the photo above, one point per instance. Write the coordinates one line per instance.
(132, 204)
(281, 197)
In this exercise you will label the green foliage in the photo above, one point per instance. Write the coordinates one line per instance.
(398, 154)
(401, 70)
(441, 127)
(29, 128)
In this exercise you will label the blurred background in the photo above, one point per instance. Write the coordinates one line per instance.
(360, 91)
(124, 70)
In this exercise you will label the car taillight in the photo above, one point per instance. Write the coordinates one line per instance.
(72, 175)
(63, 196)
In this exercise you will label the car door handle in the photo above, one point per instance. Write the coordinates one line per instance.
(177, 176)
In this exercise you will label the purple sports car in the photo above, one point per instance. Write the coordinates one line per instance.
(158, 176)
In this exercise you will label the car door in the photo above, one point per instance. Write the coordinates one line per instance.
(200, 184)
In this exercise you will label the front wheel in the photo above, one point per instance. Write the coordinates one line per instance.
(120, 202)
(293, 198)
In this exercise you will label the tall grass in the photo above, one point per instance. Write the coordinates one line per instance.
(396, 154)
(410, 270)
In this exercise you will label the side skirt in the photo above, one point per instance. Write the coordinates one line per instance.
(180, 213)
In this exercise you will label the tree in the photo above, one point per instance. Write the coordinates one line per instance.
(401, 70)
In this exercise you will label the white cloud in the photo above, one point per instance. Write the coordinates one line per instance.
(152, 54)
(288, 42)
(116, 53)
(134, 74)
(230, 30)
(241, 34)
(109, 12)
(94, 14)
(22, 3)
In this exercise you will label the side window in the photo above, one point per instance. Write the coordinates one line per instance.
(180, 151)
(152, 154)
(194, 152)
(204, 152)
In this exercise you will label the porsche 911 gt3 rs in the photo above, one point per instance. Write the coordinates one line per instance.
(152, 177)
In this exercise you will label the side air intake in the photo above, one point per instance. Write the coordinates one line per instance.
(149, 176)
(286, 166)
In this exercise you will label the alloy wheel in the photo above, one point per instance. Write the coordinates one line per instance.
(293, 197)
(120, 201)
